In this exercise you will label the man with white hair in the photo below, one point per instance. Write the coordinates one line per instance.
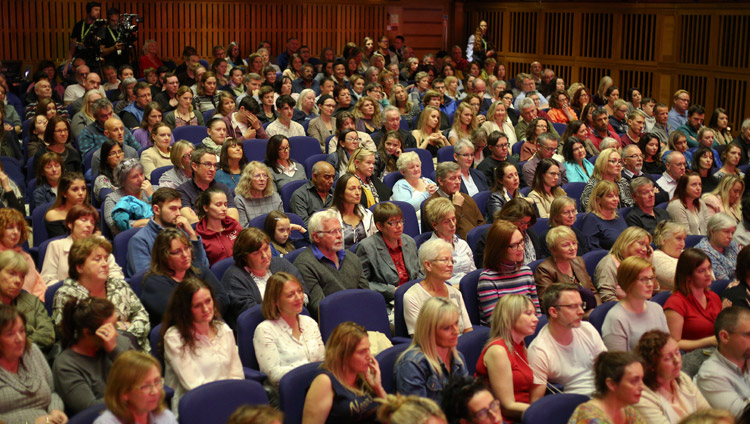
(392, 122)
(643, 214)
(326, 266)
(676, 166)
(528, 112)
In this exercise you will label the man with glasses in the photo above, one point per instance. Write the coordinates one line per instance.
(678, 115)
(565, 349)
(168, 97)
(601, 128)
(75, 91)
(204, 164)
(499, 147)
(676, 167)
(389, 257)
(166, 204)
(326, 267)
(723, 378)
(696, 116)
(392, 122)
(644, 214)
(546, 149)
(132, 115)
(468, 216)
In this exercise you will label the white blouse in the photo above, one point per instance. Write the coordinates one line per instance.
(278, 352)
(212, 360)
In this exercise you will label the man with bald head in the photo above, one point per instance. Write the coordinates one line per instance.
(317, 194)
(92, 82)
(42, 90)
(92, 137)
(115, 130)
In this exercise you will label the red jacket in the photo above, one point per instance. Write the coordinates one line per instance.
(219, 245)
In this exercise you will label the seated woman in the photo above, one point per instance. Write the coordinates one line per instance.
(472, 181)
(703, 166)
(206, 94)
(441, 214)
(686, 206)
(255, 193)
(633, 315)
(559, 108)
(720, 247)
(390, 150)
(366, 166)
(565, 265)
(90, 343)
(283, 167)
(217, 134)
(504, 272)
(563, 212)
(399, 409)
(499, 120)
(730, 157)
(503, 360)
(692, 308)
(464, 123)
(618, 378)
(182, 172)
(348, 383)
(413, 188)
(367, 115)
(468, 399)
(14, 234)
(356, 220)
(89, 278)
(669, 395)
(544, 188)
(286, 339)
(37, 126)
(28, 390)
(84, 117)
(278, 227)
(577, 167)
(48, 174)
(57, 138)
(726, 197)
(537, 127)
(428, 134)
(81, 222)
(232, 161)
(345, 122)
(113, 154)
(634, 241)
(133, 378)
(131, 181)
(198, 346)
(436, 261)
(70, 192)
(171, 263)
(601, 225)
(650, 147)
(669, 239)
(217, 230)
(504, 188)
(677, 142)
(425, 368)
(608, 168)
(522, 214)
(246, 279)
(152, 115)
(158, 154)
(39, 328)
(348, 142)
(738, 291)
(324, 125)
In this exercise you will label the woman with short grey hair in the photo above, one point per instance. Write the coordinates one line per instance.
(413, 188)
(720, 246)
(132, 181)
(669, 238)
(472, 180)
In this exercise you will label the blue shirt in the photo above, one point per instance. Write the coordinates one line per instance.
(675, 120)
(92, 137)
(139, 249)
(415, 376)
(320, 256)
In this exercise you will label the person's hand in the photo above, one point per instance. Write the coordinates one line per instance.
(481, 119)
(253, 121)
(8, 127)
(5, 182)
(372, 376)
(296, 227)
(458, 200)
(182, 223)
(55, 417)
(432, 188)
(108, 334)
(249, 133)
(147, 188)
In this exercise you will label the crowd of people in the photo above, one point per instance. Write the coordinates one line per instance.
(531, 174)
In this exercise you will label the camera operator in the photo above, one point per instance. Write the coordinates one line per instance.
(80, 31)
(114, 51)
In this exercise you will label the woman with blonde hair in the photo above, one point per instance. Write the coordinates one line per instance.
(182, 172)
(608, 167)
(503, 360)
(255, 193)
(669, 238)
(633, 315)
(413, 188)
(366, 166)
(726, 197)
(498, 120)
(602, 225)
(563, 212)
(367, 116)
(633, 241)
(464, 123)
(400, 409)
(350, 375)
(441, 214)
(428, 134)
(432, 359)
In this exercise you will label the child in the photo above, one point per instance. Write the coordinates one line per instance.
(278, 227)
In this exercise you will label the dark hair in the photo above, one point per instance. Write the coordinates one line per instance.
(338, 193)
(384, 211)
(629, 94)
(43, 161)
(714, 122)
(272, 153)
(499, 175)
(66, 181)
(457, 394)
(341, 138)
(610, 89)
(104, 168)
(697, 155)
(322, 99)
(277, 88)
(81, 314)
(285, 100)
(568, 146)
(8, 316)
(515, 209)
(643, 141)
(696, 109)
(224, 154)
(179, 312)
(690, 259)
(551, 295)
(680, 191)
(728, 318)
(249, 240)
(49, 132)
(250, 104)
(272, 219)
(90, 5)
(78, 211)
(611, 366)
(649, 349)
(164, 194)
(538, 181)
(204, 200)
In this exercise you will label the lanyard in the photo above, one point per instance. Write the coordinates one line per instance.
(112, 34)
(83, 25)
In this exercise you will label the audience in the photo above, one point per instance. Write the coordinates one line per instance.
(317, 194)
(366, 166)
(608, 167)
(544, 188)
(181, 172)
(48, 175)
(70, 192)
(113, 154)
(204, 166)
(669, 239)
(412, 188)
(158, 155)
(467, 399)
(505, 187)
(14, 235)
(232, 161)
(726, 197)
(738, 291)
(441, 214)
(719, 246)
(644, 214)
(687, 207)
(602, 225)
(468, 216)
(136, 190)
(633, 241)
(562, 212)
(278, 228)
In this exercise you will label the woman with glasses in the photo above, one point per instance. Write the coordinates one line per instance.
(537, 127)
(633, 315)
(472, 180)
(172, 263)
(348, 143)
(255, 193)
(324, 125)
(441, 214)
(90, 343)
(198, 346)
(468, 399)
(505, 271)
(608, 167)
(182, 172)
(131, 180)
(669, 395)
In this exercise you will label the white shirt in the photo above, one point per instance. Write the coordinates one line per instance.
(213, 359)
(293, 130)
(278, 352)
(463, 259)
(571, 365)
(416, 296)
(471, 188)
(667, 183)
(55, 267)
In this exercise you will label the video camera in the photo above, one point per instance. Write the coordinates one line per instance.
(128, 29)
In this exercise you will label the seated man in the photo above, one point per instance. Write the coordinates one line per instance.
(306, 80)
(317, 194)
(92, 137)
(244, 124)
(392, 122)
(565, 349)
(644, 214)
(92, 82)
(326, 266)
(696, 115)
(204, 165)
(546, 146)
(723, 377)
(166, 204)
(283, 124)
(132, 115)
(75, 91)
(468, 216)
(115, 130)
(601, 129)
(497, 142)
(528, 112)
(676, 166)
(168, 97)
(636, 122)
(389, 257)
(252, 83)
(43, 90)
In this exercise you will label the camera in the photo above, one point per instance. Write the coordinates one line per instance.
(128, 29)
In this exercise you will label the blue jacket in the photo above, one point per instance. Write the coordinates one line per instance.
(414, 375)
(139, 249)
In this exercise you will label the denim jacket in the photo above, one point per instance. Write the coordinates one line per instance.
(414, 375)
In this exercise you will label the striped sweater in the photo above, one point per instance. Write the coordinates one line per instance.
(495, 284)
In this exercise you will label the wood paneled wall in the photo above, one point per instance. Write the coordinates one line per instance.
(658, 47)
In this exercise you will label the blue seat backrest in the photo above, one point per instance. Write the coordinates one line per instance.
(399, 323)
(468, 289)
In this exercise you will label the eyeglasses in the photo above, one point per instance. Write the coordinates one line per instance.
(61, 131)
(284, 149)
(187, 155)
(210, 165)
(333, 232)
(647, 280)
(156, 385)
(444, 260)
(502, 145)
(516, 246)
(483, 414)
(581, 305)
(260, 177)
(395, 223)
(115, 154)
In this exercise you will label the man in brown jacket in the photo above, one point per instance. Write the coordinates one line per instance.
(468, 215)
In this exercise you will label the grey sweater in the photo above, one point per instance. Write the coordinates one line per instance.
(28, 394)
